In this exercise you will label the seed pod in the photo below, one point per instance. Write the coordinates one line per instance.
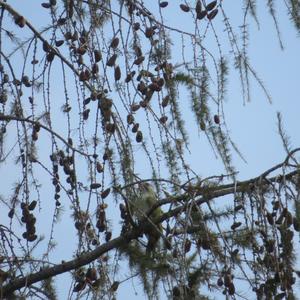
(85, 114)
(108, 235)
(289, 234)
(135, 127)
(198, 7)
(70, 9)
(87, 74)
(146, 73)
(163, 4)
(161, 82)
(11, 213)
(165, 101)
(27, 84)
(205, 244)
(99, 167)
(117, 73)
(79, 286)
(220, 282)
(149, 95)
(149, 32)
(280, 219)
(231, 289)
(107, 154)
(82, 38)
(163, 119)
(176, 291)
(131, 9)
(94, 186)
(112, 60)
(129, 76)
(95, 69)
(296, 224)
(187, 246)
(270, 218)
(31, 237)
(130, 119)
(269, 244)
(80, 60)
(81, 50)
(135, 107)
(68, 35)
(16, 82)
(82, 76)
(32, 205)
(114, 286)
(238, 207)
(137, 50)
(58, 43)
(46, 5)
(20, 21)
(35, 135)
(62, 21)
(154, 87)
(94, 243)
(122, 207)
(139, 137)
(114, 43)
(144, 103)
(276, 205)
(139, 60)
(136, 26)
(212, 14)
(235, 225)
(227, 279)
(139, 77)
(201, 14)
(216, 119)
(50, 56)
(105, 104)
(288, 219)
(184, 8)
(46, 46)
(57, 188)
(97, 55)
(210, 6)
(280, 296)
(105, 193)
(91, 274)
(110, 127)
(168, 242)
(5, 78)
(25, 79)
(142, 87)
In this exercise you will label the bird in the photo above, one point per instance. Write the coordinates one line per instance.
(144, 199)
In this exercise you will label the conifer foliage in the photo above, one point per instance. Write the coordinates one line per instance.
(99, 101)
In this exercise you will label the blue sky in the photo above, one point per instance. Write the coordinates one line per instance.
(253, 125)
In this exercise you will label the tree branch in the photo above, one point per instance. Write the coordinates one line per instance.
(21, 119)
(83, 260)
(206, 194)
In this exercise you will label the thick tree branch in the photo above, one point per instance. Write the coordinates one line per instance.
(209, 193)
(83, 260)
